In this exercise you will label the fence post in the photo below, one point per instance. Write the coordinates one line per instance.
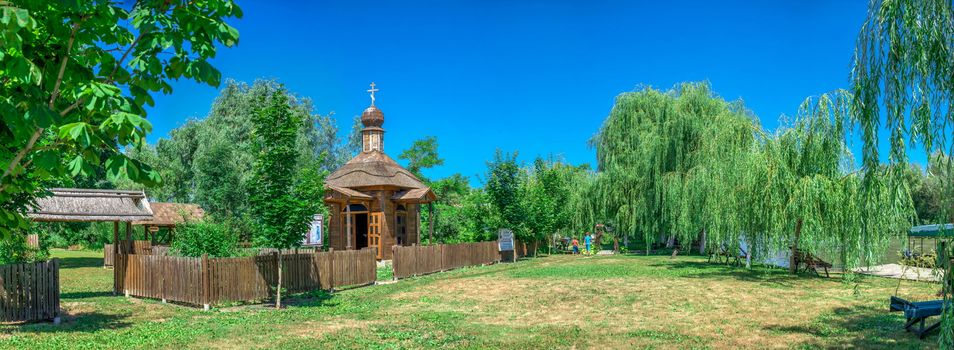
(316, 268)
(393, 265)
(56, 290)
(205, 281)
(162, 278)
(331, 269)
(440, 250)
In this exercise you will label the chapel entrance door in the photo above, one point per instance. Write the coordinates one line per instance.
(374, 231)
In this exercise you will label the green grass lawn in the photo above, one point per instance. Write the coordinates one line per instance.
(555, 302)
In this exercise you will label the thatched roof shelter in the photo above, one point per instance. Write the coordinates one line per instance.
(89, 205)
(171, 214)
(372, 169)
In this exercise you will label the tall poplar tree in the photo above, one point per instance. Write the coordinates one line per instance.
(287, 196)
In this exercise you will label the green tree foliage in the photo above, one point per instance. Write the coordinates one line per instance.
(903, 80)
(287, 196)
(454, 220)
(657, 153)
(422, 155)
(76, 77)
(546, 193)
(210, 237)
(505, 191)
(210, 161)
(929, 189)
(685, 162)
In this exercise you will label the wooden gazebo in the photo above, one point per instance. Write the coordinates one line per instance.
(96, 205)
(168, 215)
(374, 202)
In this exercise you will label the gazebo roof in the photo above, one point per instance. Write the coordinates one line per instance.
(88, 205)
(373, 169)
(946, 230)
(171, 214)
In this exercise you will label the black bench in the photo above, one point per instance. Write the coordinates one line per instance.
(917, 312)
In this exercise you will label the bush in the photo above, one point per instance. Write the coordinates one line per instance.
(14, 249)
(205, 237)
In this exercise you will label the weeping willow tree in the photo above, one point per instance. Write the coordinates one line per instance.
(903, 81)
(812, 195)
(688, 164)
(652, 152)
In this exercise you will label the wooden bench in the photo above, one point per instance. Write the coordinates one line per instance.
(722, 252)
(811, 262)
(917, 313)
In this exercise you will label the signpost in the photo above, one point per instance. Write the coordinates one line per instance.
(313, 238)
(506, 244)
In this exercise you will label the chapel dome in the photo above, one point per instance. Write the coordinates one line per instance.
(372, 117)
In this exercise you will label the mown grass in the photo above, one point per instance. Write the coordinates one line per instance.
(556, 302)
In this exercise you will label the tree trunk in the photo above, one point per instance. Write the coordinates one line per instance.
(702, 242)
(671, 241)
(793, 261)
(278, 291)
(615, 244)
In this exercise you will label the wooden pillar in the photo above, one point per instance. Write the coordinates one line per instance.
(348, 220)
(430, 223)
(116, 258)
(381, 226)
(129, 247)
(417, 228)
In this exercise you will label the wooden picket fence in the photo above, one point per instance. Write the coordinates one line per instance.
(208, 281)
(138, 247)
(31, 291)
(33, 241)
(419, 260)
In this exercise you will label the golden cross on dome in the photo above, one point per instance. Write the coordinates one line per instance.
(372, 91)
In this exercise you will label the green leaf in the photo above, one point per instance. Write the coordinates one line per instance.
(23, 17)
(76, 165)
(7, 16)
(42, 116)
(78, 132)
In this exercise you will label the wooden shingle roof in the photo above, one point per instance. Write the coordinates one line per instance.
(171, 214)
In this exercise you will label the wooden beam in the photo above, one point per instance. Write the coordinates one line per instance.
(116, 267)
(430, 223)
(348, 220)
(129, 248)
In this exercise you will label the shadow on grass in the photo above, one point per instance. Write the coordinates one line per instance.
(77, 262)
(706, 270)
(859, 327)
(309, 299)
(84, 295)
(84, 322)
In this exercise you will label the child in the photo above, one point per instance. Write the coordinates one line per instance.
(576, 246)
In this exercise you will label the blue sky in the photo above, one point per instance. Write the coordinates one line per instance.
(534, 76)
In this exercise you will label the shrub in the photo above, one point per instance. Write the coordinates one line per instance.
(14, 249)
(205, 237)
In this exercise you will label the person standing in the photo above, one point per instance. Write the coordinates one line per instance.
(576, 246)
(587, 241)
